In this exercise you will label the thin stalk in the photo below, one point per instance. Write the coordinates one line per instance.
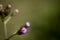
(11, 36)
(5, 27)
(5, 30)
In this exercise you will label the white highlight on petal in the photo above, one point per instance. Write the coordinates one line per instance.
(27, 24)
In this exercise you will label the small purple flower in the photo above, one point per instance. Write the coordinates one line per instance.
(24, 30)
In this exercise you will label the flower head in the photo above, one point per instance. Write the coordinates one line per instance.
(22, 30)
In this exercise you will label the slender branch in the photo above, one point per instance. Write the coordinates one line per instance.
(11, 36)
(5, 28)
(6, 21)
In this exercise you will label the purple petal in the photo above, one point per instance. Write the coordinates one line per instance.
(24, 30)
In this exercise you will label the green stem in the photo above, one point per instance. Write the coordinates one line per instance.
(11, 36)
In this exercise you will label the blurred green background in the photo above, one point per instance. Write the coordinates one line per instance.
(42, 14)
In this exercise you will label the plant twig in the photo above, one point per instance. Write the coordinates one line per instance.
(11, 36)
(5, 28)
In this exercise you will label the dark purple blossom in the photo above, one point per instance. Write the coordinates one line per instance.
(24, 29)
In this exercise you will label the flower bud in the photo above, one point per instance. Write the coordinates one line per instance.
(9, 6)
(27, 24)
(16, 11)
